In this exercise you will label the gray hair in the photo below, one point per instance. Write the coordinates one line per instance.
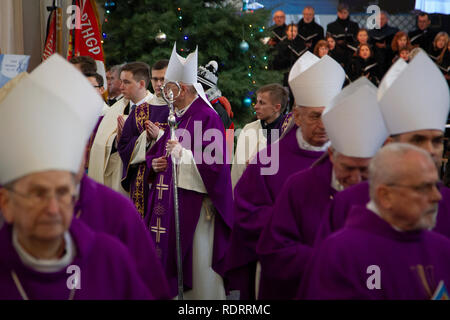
(384, 166)
(116, 69)
(335, 153)
(11, 184)
(189, 88)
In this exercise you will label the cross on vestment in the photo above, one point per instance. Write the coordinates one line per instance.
(161, 187)
(158, 229)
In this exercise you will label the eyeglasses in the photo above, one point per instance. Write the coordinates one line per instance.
(426, 188)
(42, 198)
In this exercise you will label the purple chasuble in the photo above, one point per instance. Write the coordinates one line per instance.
(192, 126)
(135, 177)
(254, 196)
(335, 218)
(286, 242)
(105, 210)
(108, 271)
(410, 264)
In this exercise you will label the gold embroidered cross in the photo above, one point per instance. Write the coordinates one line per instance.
(158, 230)
(161, 187)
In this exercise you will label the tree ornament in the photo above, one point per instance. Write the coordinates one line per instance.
(247, 102)
(243, 46)
(110, 6)
(160, 37)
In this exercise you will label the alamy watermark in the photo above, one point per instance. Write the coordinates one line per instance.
(373, 22)
(207, 147)
(74, 280)
(373, 282)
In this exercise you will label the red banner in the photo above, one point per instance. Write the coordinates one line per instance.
(86, 37)
(50, 42)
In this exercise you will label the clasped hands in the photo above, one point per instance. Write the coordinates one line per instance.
(151, 128)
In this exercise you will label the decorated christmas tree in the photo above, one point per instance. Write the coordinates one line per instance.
(146, 30)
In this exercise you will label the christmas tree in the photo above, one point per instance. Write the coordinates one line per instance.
(145, 30)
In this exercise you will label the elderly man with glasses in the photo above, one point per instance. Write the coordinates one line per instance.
(414, 101)
(386, 251)
(46, 254)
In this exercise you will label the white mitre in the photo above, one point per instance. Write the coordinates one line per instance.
(314, 82)
(353, 120)
(414, 96)
(46, 120)
(185, 70)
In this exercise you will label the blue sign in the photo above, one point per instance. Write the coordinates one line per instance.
(11, 65)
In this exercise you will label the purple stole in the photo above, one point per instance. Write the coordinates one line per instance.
(135, 179)
(137, 193)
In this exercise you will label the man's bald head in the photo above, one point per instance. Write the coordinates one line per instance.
(308, 14)
(279, 17)
(403, 185)
(390, 163)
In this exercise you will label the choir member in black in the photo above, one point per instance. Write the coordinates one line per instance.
(403, 53)
(321, 49)
(400, 40)
(278, 30)
(362, 37)
(308, 29)
(364, 64)
(343, 29)
(290, 49)
(383, 36)
(381, 39)
(439, 46)
(423, 36)
(342, 58)
(439, 52)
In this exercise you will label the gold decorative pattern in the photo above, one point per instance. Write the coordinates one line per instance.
(285, 122)
(161, 187)
(138, 194)
(158, 229)
(142, 115)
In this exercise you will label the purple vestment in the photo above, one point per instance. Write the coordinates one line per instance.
(105, 210)
(217, 181)
(107, 270)
(135, 177)
(335, 218)
(347, 265)
(254, 196)
(286, 242)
